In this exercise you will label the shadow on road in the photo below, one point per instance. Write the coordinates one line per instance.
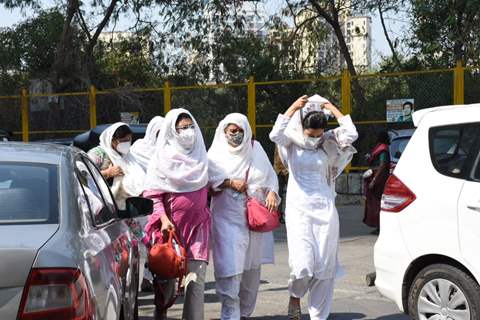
(339, 316)
(351, 225)
(354, 316)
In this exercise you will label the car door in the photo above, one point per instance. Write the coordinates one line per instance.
(110, 255)
(469, 212)
(124, 245)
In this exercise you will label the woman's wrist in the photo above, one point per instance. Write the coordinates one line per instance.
(337, 113)
(164, 219)
(290, 111)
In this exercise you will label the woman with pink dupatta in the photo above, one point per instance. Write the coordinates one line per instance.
(177, 179)
(379, 163)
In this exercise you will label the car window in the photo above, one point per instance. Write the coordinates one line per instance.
(451, 148)
(104, 188)
(91, 195)
(28, 193)
(476, 171)
(397, 147)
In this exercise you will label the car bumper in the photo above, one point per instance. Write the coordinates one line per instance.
(391, 260)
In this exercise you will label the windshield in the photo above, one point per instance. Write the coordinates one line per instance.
(397, 147)
(28, 193)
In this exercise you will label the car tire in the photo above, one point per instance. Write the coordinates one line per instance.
(455, 286)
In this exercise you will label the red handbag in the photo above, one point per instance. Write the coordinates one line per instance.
(259, 218)
(165, 262)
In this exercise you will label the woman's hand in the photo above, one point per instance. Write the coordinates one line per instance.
(297, 105)
(271, 201)
(167, 226)
(238, 185)
(112, 172)
(334, 110)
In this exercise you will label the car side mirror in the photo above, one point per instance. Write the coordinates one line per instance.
(137, 207)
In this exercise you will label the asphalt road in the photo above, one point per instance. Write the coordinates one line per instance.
(352, 300)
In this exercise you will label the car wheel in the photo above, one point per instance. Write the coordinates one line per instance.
(444, 292)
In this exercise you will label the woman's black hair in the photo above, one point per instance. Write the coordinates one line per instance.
(315, 120)
(122, 132)
(383, 137)
(182, 116)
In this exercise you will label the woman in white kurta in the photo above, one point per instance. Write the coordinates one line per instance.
(314, 159)
(238, 252)
(113, 154)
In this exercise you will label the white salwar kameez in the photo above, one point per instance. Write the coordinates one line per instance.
(311, 217)
(238, 253)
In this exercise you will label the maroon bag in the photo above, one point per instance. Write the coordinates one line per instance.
(259, 218)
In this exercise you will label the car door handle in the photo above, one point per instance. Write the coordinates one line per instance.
(474, 208)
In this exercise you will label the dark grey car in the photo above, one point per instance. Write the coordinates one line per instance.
(65, 249)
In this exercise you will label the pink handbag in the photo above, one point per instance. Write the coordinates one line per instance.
(259, 218)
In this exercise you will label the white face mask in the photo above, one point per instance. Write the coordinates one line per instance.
(124, 147)
(186, 138)
(311, 142)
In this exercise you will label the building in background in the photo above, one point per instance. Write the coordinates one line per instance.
(358, 35)
(255, 17)
(320, 52)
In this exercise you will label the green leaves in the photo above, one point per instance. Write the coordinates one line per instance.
(445, 31)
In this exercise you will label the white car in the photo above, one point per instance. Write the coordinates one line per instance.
(427, 257)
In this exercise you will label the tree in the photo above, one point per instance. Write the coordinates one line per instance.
(383, 7)
(28, 49)
(445, 31)
(333, 13)
(186, 19)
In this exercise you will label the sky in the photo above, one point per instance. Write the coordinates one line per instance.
(380, 47)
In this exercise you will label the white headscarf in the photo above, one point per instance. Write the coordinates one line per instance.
(144, 149)
(134, 176)
(294, 130)
(227, 162)
(173, 168)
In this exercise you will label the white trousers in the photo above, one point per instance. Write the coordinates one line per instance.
(238, 294)
(320, 295)
(193, 306)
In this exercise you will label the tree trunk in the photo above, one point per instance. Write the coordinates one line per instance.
(357, 91)
(332, 18)
(88, 61)
(63, 49)
(385, 32)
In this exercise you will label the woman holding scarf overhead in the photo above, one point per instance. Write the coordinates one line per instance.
(238, 252)
(177, 182)
(314, 157)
